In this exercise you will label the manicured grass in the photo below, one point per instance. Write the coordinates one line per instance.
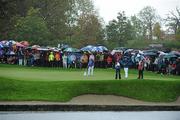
(47, 84)
(54, 74)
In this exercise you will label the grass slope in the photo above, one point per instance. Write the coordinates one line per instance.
(26, 84)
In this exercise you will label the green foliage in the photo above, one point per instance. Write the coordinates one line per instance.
(32, 28)
(157, 30)
(77, 23)
(89, 30)
(138, 44)
(142, 44)
(8, 9)
(137, 27)
(178, 34)
(51, 22)
(148, 18)
(119, 31)
(171, 44)
(173, 21)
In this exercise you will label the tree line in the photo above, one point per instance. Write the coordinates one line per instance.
(77, 23)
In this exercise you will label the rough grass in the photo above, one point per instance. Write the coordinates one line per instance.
(46, 84)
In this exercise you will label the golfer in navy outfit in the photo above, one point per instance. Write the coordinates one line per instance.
(118, 69)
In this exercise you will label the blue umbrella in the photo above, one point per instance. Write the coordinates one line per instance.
(97, 49)
(103, 48)
(1, 46)
(10, 43)
(87, 48)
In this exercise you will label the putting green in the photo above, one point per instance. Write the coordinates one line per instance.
(53, 74)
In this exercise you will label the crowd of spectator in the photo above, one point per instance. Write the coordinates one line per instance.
(51, 58)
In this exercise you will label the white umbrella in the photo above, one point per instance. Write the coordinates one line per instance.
(116, 51)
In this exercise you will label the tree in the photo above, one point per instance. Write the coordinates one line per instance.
(87, 27)
(157, 30)
(66, 21)
(8, 9)
(173, 22)
(148, 18)
(177, 36)
(54, 14)
(71, 19)
(119, 31)
(137, 27)
(32, 28)
(88, 31)
(84, 7)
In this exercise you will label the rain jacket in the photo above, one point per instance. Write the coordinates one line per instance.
(57, 57)
(51, 57)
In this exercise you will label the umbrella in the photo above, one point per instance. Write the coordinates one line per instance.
(4, 41)
(53, 49)
(87, 48)
(1, 46)
(170, 56)
(92, 48)
(64, 46)
(10, 43)
(19, 45)
(71, 50)
(57, 49)
(139, 57)
(161, 53)
(10, 53)
(72, 58)
(25, 43)
(152, 50)
(120, 48)
(116, 51)
(175, 53)
(96, 49)
(150, 54)
(128, 50)
(103, 48)
(42, 49)
(35, 46)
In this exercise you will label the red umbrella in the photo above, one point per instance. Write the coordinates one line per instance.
(25, 43)
(19, 44)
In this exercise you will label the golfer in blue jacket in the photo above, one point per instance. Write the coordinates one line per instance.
(118, 70)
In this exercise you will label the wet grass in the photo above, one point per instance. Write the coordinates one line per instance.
(48, 84)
